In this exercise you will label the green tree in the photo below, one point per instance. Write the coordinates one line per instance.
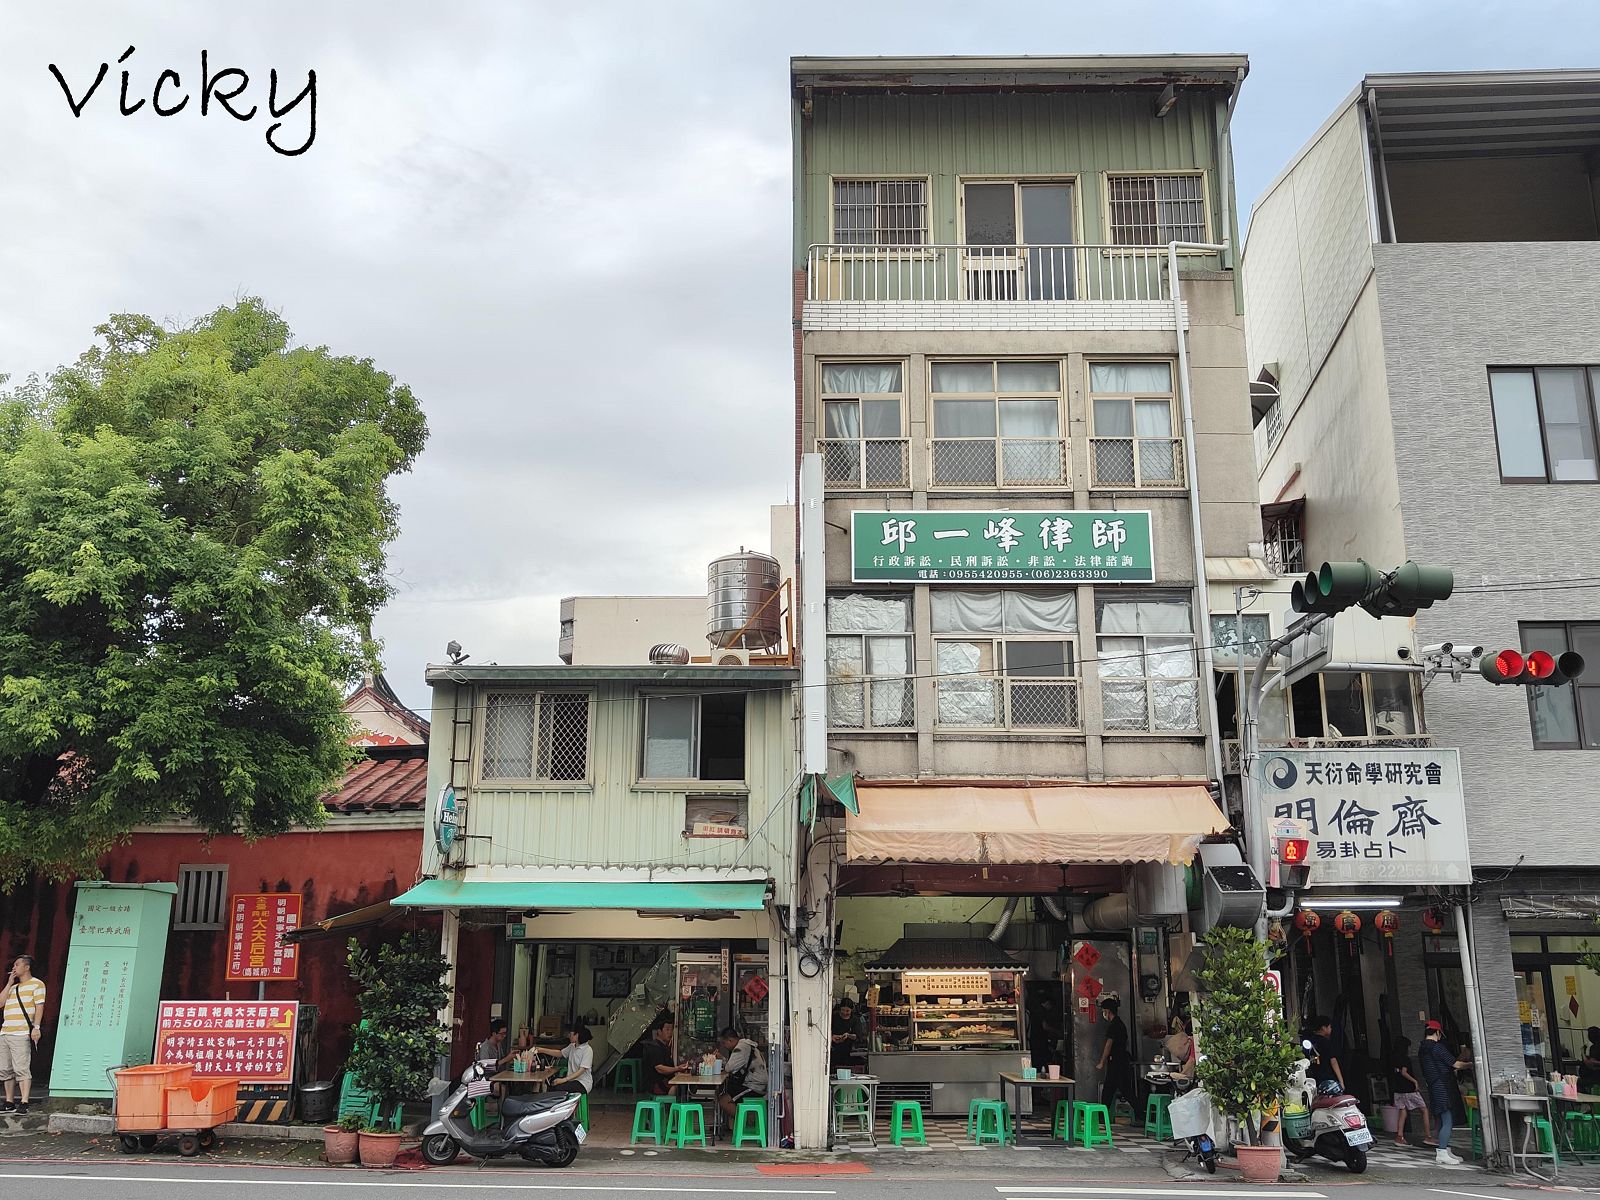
(1248, 1051)
(402, 990)
(192, 534)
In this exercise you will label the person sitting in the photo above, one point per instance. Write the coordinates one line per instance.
(1589, 1066)
(659, 1067)
(842, 1044)
(744, 1075)
(1180, 1048)
(493, 1054)
(576, 1073)
(1325, 1071)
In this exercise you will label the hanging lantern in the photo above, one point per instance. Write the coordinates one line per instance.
(1348, 924)
(1433, 920)
(1387, 923)
(1308, 921)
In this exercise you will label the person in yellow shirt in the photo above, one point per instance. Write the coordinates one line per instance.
(21, 1022)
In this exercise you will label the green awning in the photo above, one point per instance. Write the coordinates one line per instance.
(697, 896)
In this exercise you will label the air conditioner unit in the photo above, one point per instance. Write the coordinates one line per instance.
(995, 276)
(729, 657)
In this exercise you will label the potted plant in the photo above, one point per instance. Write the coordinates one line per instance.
(1247, 1053)
(339, 1139)
(400, 1038)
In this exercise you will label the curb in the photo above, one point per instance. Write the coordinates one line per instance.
(80, 1123)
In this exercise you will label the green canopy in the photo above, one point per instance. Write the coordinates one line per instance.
(736, 895)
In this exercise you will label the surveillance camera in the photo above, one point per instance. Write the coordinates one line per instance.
(1473, 651)
(1404, 652)
(1438, 648)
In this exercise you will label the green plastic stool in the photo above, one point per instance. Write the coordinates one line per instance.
(1577, 1124)
(850, 1104)
(583, 1109)
(679, 1121)
(625, 1076)
(755, 1112)
(1088, 1134)
(1065, 1125)
(654, 1128)
(994, 1123)
(972, 1114)
(1157, 1120)
(1124, 1108)
(1476, 1129)
(899, 1134)
(1547, 1139)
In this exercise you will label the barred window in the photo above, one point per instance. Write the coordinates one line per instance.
(1020, 672)
(1152, 210)
(862, 436)
(998, 424)
(1131, 423)
(869, 662)
(536, 735)
(880, 212)
(202, 897)
(1149, 680)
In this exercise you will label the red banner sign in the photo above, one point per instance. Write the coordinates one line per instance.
(248, 1040)
(256, 949)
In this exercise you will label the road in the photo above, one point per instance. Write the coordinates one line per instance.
(86, 1181)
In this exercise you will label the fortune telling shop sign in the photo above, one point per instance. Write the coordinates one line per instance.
(249, 1040)
(950, 546)
(256, 949)
(1374, 816)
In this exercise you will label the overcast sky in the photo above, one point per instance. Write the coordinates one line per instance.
(565, 226)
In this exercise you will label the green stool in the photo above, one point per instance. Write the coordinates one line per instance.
(994, 1123)
(1157, 1120)
(478, 1114)
(850, 1105)
(972, 1115)
(1476, 1129)
(583, 1109)
(1065, 1125)
(1577, 1125)
(1547, 1139)
(1088, 1134)
(679, 1121)
(753, 1113)
(1124, 1108)
(899, 1133)
(625, 1076)
(648, 1122)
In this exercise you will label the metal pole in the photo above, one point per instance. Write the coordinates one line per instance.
(1480, 1057)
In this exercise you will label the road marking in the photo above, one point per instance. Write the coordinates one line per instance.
(1474, 1195)
(432, 1183)
(1063, 1190)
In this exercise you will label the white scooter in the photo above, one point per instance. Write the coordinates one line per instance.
(541, 1129)
(1337, 1129)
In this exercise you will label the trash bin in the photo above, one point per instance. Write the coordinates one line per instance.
(141, 1101)
(317, 1101)
(202, 1103)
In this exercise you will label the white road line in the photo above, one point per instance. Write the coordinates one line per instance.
(1474, 1195)
(432, 1183)
(1063, 1190)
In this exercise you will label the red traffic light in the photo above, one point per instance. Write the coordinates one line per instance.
(1509, 663)
(1540, 665)
(1293, 851)
(1537, 668)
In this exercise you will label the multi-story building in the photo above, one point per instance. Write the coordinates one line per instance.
(1019, 354)
(1421, 291)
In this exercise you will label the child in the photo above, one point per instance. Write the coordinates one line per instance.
(1407, 1092)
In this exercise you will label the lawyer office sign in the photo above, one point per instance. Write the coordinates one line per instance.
(958, 546)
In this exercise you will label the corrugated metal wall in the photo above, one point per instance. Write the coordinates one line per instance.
(947, 136)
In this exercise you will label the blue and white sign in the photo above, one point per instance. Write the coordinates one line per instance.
(1381, 817)
(446, 819)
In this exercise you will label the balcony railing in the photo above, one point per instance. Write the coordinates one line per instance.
(984, 274)
(1232, 756)
(865, 462)
(1137, 462)
(1017, 462)
(1008, 702)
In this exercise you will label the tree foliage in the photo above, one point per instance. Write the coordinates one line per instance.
(402, 990)
(1248, 1052)
(192, 534)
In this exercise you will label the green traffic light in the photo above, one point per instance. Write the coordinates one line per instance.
(1348, 581)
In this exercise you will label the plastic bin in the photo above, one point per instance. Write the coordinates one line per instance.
(202, 1103)
(142, 1094)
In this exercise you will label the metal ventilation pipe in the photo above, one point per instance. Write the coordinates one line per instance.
(1109, 914)
(1004, 923)
(1053, 907)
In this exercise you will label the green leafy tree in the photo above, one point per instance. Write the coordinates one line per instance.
(1249, 1053)
(402, 990)
(192, 534)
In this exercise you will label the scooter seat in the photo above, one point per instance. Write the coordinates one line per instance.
(521, 1106)
(1339, 1101)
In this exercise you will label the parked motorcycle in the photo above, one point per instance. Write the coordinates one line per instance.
(541, 1129)
(1193, 1118)
(1330, 1125)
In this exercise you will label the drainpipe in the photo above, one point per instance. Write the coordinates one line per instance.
(1202, 604)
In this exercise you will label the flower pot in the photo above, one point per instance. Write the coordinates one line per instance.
(380, 1149)
(339, 1145)
(1258, 1164)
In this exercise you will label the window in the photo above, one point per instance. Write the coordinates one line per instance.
(880, 212)
(694, 737)
(997, 424)
(1565, 717)
(1019, 240)
(1273, 717)
(869, 662)
(862, 443)
(202, 897)
(1020, 672)
(1149, 680)
(1544, 423)
(1225, 637)
(1152, 210)
(1354, 705)
(536, 735)
(1131, 420)
(1284, 542)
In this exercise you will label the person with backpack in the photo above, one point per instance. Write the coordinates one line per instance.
(21, 1025)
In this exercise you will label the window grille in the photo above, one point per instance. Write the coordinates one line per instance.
(880, 212)
(202, 897)
(1285, 551)
(1152, 210)
(536, 735)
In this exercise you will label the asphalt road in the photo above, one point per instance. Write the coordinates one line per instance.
(194, 1182)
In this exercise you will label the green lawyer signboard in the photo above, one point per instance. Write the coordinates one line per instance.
(947, 546)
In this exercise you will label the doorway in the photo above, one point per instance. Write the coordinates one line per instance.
(1020, 240)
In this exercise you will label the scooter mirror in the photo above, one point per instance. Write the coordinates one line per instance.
(1308, 1047)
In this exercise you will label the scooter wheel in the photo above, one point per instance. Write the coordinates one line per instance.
(441, 1149)
(566, 1149)
(1211, 1166)
(1357, 1162)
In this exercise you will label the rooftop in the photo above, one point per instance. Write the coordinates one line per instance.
(1456, 113)
(387, 780)
(636, 673)
(1016, 72)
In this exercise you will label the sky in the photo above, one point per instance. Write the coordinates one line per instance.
(565, 227)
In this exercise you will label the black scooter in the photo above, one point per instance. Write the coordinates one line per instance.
(541, 1129)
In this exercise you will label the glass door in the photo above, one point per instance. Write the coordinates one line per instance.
(1533, 1011)
(1019, 241)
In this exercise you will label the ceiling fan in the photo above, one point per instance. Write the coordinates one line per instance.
(905, 888)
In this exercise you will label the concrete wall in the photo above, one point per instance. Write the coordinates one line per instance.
(619, 630)
(1540, 198)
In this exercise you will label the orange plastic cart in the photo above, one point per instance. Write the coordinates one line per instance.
(167, 1101)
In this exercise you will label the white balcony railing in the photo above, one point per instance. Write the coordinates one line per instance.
(984, 274)
(1136, 462)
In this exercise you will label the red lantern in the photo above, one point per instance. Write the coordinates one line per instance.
(1307, 921)
(1348, 924)
(1433, 920)
(1387, 923)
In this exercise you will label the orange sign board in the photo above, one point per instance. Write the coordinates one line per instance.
(257, 922)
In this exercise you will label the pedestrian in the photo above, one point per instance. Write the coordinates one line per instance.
(1438, 1069)
(1325, 1070)
(1116, 1060)
(1407, 1092)
(21, 1026)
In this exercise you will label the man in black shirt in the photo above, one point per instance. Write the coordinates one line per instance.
(1116, 1061)
(1324, 1066)
(657, 1054)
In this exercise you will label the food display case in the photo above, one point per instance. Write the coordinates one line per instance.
(960, 1010)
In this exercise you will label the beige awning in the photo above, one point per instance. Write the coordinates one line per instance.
(1069, 824)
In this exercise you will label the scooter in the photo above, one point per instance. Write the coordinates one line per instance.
(1193, 1119)
(1337, 1129)
(541, 1129)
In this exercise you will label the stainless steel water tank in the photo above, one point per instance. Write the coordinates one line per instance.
(743, 595)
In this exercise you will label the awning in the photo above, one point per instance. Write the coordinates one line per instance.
(1068, 824)
(547, 895)
(345, 922)
(1550, 908)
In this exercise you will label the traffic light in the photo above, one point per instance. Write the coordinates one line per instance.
(1537, 668)
(1336, 586)
(1292, 855)
(1410, 588)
